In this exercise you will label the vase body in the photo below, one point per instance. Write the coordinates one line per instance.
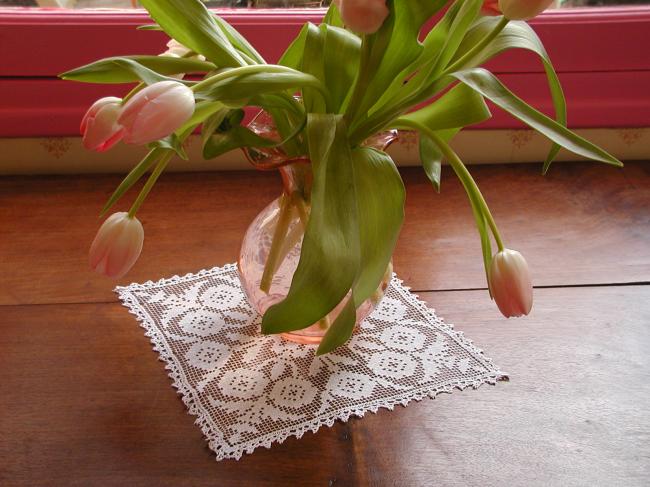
(267, 282)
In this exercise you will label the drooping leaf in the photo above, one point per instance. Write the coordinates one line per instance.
(330, 250)
(467, 13)
(191, 24)
(380, 198)
(128, 69)
(459, 107)
(245, 86)
(516, 35)
(485, 83)
(341, 330)
(431, 159)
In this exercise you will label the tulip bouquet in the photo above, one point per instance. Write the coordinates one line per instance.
(362, 71)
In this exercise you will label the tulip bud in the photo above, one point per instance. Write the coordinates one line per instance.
(176, 49)
(510, 283)
(523, 9)
(363, 16)
(99, 126)
(117, 245)
(156, 111)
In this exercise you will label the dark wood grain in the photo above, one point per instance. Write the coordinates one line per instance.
(86, 402)
(574, 412)
(582, 224)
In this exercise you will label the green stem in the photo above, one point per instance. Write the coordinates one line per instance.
(160, 166)
(281, 228)
(230, 73)
(303, 211)
(130, 94)
(478, 47)
(468, 182)
(262, 68)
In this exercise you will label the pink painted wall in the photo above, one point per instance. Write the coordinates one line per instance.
(600, 54)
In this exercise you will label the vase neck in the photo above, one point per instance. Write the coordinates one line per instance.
(297, 178)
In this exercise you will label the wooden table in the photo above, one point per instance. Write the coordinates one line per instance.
(86, 402)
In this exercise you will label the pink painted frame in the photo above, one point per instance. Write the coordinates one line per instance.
(600, 55)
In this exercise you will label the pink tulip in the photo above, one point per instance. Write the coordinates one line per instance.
(363, 16)
(99, 126)
(510, 283)
(523, 9)
(178, 50)
(117, 245)
(156, 111)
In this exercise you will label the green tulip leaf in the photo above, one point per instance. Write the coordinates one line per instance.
(312, 63)
(432, 47)
(191, 24)
(129, 69)
(516, 35)
(325, 46)
(239, 42)
(459, 107)
(333, 16)
(485, 83)
(339, 44)
(329, 259)
(223, 133)
(380, 196)
(173, 143)
(395, 45)
(221, 142)
(292, 57)
(248, 85)
(431, 159)
(149, 27)
(202, 111)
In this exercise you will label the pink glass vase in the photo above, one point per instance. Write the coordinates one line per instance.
(265, 281)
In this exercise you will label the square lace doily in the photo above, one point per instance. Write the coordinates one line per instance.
(249, 390)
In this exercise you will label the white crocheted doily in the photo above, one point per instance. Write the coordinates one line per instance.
(249, 390)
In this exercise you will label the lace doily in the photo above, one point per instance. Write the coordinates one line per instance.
(249, 390)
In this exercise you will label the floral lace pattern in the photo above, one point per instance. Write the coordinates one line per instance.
(250, 390)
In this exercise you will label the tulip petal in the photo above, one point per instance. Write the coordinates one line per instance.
(117, 245)
(156, 111)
